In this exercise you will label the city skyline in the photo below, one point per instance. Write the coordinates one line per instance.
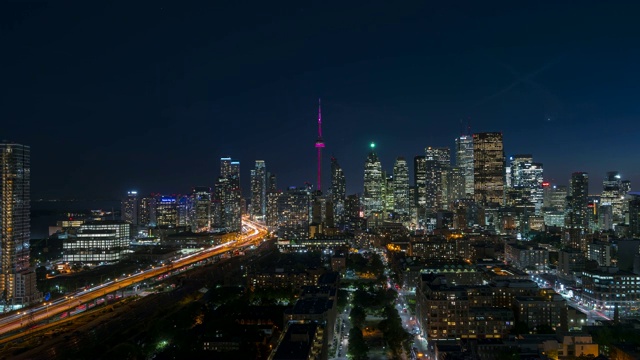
(162, 103)
(322, 181)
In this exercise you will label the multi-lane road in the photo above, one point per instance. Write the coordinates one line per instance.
(15, 320)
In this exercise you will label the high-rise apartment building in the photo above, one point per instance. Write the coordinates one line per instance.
(577, 204)
(488, 165)
(464, 160)
(353, 206)
(437, 163)
(338, 189)
(259, 190)
(373, 184)
(229, 195)
(272, 182)
(293, 208)
(17, 280)
(147, 211)
(272, 208)
(272, 199)
(184, 210)
(401, 188)
(130, 207)
(201, 217)
(456, 185)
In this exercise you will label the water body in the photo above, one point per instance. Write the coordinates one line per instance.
(47, 213)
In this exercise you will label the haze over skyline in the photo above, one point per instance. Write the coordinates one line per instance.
(112, 97)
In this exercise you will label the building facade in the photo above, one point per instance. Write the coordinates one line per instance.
(130, 208)
(293, 208)
(229, 196)
(488, 165)
(577, 202)
(98, 242)
(402, 202)
(338, 190)
(437, 163)
(17, 280)
(373, 184)
(464, 160)
(420, 182)
(259, 190)
(605, 291)
(201, 200)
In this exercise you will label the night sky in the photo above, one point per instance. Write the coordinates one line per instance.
(120, 96)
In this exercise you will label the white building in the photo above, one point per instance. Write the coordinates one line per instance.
(103, 241)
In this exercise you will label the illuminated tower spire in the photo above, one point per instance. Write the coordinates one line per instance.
(319, 145)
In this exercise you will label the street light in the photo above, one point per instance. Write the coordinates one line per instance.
(21, 314)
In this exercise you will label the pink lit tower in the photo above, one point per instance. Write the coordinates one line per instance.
(319, 146)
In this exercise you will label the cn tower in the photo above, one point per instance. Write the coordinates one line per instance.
(319, 146)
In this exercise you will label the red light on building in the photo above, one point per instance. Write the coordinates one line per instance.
(545, 184)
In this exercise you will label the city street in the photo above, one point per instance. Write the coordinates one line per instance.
(341, 337)
(592, 315)
(411, 324)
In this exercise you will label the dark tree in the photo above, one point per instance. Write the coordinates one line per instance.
(358, 348)
(343, 299)
(357, 316)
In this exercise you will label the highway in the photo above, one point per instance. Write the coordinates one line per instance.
(16, 320)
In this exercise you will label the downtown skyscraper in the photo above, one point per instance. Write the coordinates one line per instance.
(488, 169)
(259, 190)
(613, 194)
(402, 201)
(526, 180)
(17, 280)
(419, 182)
(464, 161)
(373, 184)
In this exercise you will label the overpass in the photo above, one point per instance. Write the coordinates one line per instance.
(14, 321)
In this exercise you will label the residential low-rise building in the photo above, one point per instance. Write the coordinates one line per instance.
(284, 279)
(460, 312)
(538, 310)
(570, 344)
(301, 341)
(526, 257)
